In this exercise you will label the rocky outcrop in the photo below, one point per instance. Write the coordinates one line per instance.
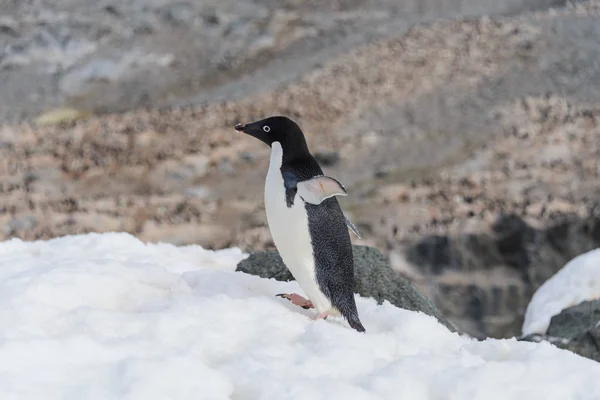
(373, 277)
(576, 329)
(483, 282)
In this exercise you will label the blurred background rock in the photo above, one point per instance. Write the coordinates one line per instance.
(466, 131)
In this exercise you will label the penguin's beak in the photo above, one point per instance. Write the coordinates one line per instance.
(255, 130)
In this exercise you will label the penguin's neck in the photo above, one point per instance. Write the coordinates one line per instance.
(284, 154)
(276, 160)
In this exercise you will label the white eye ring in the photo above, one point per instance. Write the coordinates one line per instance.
(266, 128)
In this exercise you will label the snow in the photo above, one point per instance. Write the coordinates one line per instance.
(576, 282)
(105, 316)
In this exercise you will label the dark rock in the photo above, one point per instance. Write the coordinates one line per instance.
(211, 17)
(113, 10)
(266, 264)
(512, 233)
(586, 345)
(432, 252)
(9, 26)
(373, 278)
(248, 157)
(327, 158)
(575, 321)
(381, 173)
(525, 254)
(575, 329)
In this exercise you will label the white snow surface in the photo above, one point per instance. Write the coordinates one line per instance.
(576, 282)
(105, 316)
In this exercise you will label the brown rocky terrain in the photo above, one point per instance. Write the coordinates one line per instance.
(467, 146)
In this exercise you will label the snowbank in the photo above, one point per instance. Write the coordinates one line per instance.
(103, 316)
(576, 282)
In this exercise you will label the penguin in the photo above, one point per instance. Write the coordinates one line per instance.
(306, 221)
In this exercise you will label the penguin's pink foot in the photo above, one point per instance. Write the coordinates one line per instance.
(322, 315)
(297, 300)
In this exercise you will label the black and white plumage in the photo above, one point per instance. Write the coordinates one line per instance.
(306, 221)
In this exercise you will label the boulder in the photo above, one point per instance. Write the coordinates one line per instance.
(575, 321)
(266, 264)
(580, 326)
(576, 329)
(373, 277)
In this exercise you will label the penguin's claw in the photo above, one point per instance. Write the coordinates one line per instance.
(322, 315)
(297, 300)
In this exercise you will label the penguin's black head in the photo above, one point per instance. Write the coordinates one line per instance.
(277, 129)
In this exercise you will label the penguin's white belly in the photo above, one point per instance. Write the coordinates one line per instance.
(291, 235)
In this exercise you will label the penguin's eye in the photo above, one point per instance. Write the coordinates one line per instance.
(266, 128)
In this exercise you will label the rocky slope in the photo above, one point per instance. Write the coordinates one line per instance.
(464, 145)
(115, 55)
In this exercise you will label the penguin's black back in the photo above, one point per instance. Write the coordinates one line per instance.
(332, 249)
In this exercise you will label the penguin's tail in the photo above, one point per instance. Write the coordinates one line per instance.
(344, 303)
(355, 322)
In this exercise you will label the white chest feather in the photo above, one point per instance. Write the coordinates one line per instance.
(289, 228)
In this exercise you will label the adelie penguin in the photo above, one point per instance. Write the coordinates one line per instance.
(306, 221)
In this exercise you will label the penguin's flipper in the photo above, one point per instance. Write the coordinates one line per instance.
(319, 188)
(352, 227)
